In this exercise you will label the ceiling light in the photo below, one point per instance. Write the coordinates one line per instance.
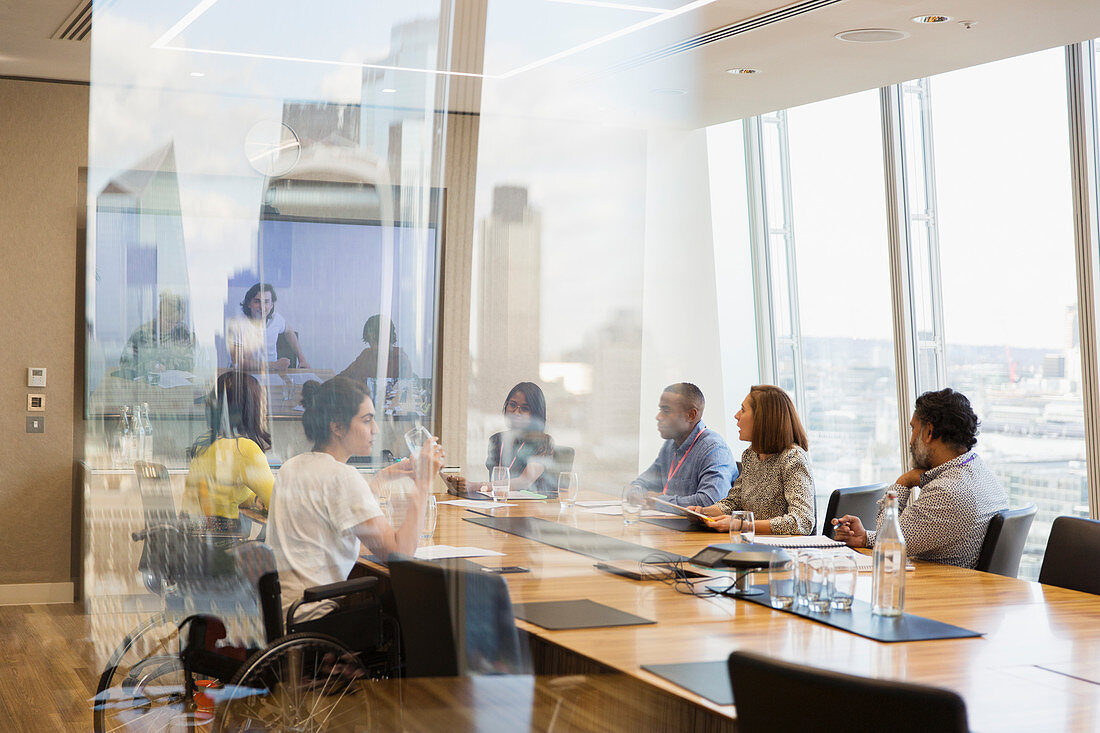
(931, 19)
(197, 73)
(739, 72)
(871, 35)
(389, 90)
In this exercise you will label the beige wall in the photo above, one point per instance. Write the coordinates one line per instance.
(43, 145)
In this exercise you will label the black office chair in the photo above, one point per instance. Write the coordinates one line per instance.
(859, 501)
(563, 459)
(1070, 559)
(155, 489)
(455, 621)
(284, 350)
(1004, 541)
(771, 695)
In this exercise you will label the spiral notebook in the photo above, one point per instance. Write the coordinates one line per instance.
(797, 541)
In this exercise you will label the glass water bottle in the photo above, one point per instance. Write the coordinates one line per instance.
(888, 578)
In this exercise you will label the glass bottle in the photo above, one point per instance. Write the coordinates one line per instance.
(888, 561)
(137, 429)
(125, 439)
(147, 430)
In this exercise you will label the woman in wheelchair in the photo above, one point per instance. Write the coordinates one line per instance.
(322, 508)
(228, 468)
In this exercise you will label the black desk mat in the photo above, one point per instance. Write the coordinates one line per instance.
(579, 614)
(862, 622)
(590, 544)
(706, 679)
(680, 524)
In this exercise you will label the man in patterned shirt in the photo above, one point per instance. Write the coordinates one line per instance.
(958, 494)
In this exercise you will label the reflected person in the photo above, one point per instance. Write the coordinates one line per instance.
(958, 496)
(694, 466)
(776, 482)
(367, 364)
(253, 336)
(228, 467)
(166, 342)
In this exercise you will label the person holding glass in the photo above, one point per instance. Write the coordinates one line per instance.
(524, 449)
(228, 467)
(322, 508)
(776, 482)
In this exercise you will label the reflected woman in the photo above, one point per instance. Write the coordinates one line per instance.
(254, 335)
(228, 467)
(776, 482)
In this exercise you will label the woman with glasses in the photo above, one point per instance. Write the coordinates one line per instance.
(525, 448)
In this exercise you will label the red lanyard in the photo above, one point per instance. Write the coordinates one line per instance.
(672, 471)
(514, 455)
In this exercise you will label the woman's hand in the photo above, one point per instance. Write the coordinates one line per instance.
(711, 511)
(720, 524)
(427, 462)
(455, 484)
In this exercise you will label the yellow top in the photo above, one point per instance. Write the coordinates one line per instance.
(229, 472)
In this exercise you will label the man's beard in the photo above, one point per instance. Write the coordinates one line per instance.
(922, 458)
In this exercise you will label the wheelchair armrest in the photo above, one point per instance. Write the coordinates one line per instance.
(343, 588)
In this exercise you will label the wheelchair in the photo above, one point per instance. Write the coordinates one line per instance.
(171, 673)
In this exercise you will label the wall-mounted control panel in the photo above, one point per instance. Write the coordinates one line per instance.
(36, 376)
(36, 403)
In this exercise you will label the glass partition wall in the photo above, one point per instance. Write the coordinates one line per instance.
(399, 193)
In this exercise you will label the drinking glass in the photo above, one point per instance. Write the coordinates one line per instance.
(742, 527)
(498, 484)
(416, 438)
(633, 501)
(431, 515)
(568, 488)
(817, 584)
(781, 580)
(842, 581)
(802, 575)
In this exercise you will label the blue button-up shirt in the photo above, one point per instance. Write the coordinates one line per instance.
(705, 475)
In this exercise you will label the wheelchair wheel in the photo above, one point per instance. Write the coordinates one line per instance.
(142, 687)
(302, 682)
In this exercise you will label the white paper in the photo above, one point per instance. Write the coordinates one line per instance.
(174, 378)
(522, 495)
(303, 377)
(439, 552)
(473, 504)
(610, 502)
(795, 541)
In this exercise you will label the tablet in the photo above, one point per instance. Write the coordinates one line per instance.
(667, 506)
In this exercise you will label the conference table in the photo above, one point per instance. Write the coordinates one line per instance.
(1035, 667)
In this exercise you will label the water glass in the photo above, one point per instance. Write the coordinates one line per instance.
(802, 575)
(817, 584)
(416, 438)
(742, 527)
(842, 581)
(498, 484)
(633, 501)
(431, 515)
(568, 488)
(781, 571)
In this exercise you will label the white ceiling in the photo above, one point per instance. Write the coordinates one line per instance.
(799, 59)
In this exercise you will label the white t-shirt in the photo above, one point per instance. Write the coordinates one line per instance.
(315, 506)
(255, 338)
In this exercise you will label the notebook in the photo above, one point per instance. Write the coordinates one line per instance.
(797, 541)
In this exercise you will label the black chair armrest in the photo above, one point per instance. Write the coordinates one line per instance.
(334, 590)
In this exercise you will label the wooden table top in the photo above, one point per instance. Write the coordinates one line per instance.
(1037, 667)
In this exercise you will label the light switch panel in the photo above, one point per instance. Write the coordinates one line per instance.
(36, 403)
(36, 424)
(36, 377)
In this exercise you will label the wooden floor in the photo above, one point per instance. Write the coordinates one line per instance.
(47, 671)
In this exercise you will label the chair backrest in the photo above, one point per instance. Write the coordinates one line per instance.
(763, 691)
(1072, 549)
(454, 621)
(156, 493)
(859, 501)
(1005, 536)
(284, 350)
(563, 460)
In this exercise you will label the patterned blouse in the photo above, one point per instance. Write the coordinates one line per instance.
(779, 488)
(946, 523)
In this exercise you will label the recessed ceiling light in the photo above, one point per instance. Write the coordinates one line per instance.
(670, 92)
(738, 72)
(871, 35)
(197, 73)
(931, 19)
(389, 90)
